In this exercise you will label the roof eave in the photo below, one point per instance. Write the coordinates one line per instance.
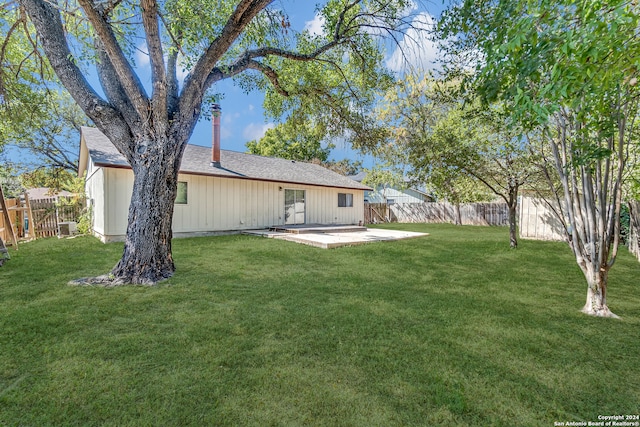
(363, 188)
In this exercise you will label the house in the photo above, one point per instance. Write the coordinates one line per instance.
(392, 195)
(220, 191)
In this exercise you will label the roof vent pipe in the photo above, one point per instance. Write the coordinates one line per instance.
(215, 148)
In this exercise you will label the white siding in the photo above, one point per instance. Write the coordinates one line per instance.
(217, 204)
(117, 190)
(221, 204)
(94, 187)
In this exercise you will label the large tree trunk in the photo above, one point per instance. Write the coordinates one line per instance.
(147, 255)
(596, 304)
(147, 252)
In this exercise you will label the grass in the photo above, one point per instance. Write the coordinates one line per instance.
(451, 329)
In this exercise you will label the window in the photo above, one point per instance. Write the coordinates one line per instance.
(181, 197)
(345, 200)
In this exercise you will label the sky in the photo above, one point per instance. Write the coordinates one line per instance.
(243, 117)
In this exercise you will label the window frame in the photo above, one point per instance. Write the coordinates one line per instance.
(345, 200)
(178, 201)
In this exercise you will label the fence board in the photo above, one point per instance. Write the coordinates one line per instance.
(436, 212)
(6, 231)
(538, 221)
(47, 213)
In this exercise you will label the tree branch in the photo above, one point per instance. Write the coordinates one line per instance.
(195, 83)
(158, 73)
(128, 79)
(3, 49)
(270, 74)
(117, 97)
(48, 24)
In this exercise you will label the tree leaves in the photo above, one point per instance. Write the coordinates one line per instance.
(294, 140)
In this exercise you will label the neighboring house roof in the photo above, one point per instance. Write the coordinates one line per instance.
(197, 161)
(360, 176)
(46, 193)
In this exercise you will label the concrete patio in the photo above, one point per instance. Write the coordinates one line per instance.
(328, 237)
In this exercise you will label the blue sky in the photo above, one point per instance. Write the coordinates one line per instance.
(242, 114)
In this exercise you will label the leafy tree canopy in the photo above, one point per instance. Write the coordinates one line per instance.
(344, 167)
(541, 57)
(54, 178)
(37, 116)
(294, 140)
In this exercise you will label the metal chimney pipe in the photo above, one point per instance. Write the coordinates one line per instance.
(215, 146)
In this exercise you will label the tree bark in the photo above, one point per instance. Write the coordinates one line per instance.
(592, 196)
(458, 214)
(634, 228)
(513, 230)
(147, 255)
(596, 304)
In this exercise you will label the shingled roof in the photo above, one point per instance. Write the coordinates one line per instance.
(197, 161)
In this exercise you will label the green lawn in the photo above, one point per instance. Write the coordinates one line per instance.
(451, 329)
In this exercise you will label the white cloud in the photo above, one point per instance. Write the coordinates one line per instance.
(228, 125)
(411, 7)
(416, 49)
(142, 56)
(143, 63)
(255, 131)
(181, 69)
(315, 26)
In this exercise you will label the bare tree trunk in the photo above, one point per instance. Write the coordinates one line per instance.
(634, 228)
(458, 214)
(596, 304)
(513, 231)
(512, 203)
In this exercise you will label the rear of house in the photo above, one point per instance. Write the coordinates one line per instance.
(237, 192)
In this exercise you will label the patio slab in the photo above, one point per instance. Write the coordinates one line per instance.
(333, 239)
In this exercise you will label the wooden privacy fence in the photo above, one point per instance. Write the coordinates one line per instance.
(538, 220)
(47, 214)
(376, 212)
(436, 212)
(6, 227)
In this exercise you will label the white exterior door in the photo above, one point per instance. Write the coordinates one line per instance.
(294, 207)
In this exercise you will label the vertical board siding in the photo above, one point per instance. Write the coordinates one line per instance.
(119, 186)
(95, 189)
(220, 204)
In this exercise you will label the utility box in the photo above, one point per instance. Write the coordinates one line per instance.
(68, 228)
